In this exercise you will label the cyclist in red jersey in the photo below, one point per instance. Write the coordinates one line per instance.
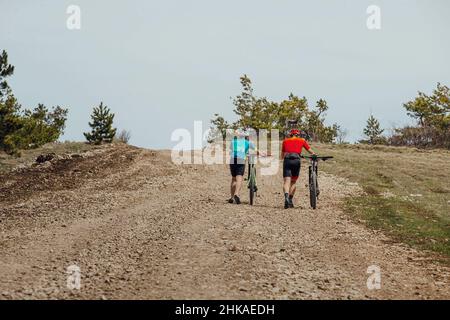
(290, 154)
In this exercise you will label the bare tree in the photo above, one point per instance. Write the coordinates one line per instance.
(124, 136)
(341, 135)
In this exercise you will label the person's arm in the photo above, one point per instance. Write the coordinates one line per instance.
(282, 152)
(256, 151)
(308, 148)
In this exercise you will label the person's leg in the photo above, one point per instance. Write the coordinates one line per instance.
(295, 171)
(233, 186)
(286, 187)
(239, 180)
(240, 170)
(236, 197)
(292, 188)
(286, 184)
(233, 182)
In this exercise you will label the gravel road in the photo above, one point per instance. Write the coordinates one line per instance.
(140, 227)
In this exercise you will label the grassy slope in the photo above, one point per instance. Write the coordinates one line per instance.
(407, 191)
(8, 162)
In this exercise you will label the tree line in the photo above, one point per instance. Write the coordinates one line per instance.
(261, 113)
(431, 112)
(432, 123)
(22, 128)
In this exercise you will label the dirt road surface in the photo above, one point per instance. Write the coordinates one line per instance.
(140, 227)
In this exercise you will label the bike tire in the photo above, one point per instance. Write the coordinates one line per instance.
(317, 186)
(313, 189)
(252, 196)
(252, 185)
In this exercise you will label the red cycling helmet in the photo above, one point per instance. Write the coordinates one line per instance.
(294, 132)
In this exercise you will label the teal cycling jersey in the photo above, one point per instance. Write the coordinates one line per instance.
(240, 148)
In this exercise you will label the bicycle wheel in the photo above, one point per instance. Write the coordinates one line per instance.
(252, 184)
(312, 188)
(317, 186)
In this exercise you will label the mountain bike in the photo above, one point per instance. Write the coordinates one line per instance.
(312, 174)
(251, 179)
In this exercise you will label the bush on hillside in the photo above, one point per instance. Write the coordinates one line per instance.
(432, 114)
(22, 128)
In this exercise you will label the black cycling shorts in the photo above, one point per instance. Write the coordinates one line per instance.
(291, 168)
(237, 167)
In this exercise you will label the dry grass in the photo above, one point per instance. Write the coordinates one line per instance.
(407, 190)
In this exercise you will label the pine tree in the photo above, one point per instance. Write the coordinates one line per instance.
(373, 131)
(6, 70)
(102, 130)
(23, 128)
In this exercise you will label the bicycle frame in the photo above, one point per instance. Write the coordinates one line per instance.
(313, 177)
(250, 168)
(314, 165)
(251, 164)
(251, 178)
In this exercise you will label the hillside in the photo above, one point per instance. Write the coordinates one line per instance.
(139, 226)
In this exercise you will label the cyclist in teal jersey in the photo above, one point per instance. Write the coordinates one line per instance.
(239, 149)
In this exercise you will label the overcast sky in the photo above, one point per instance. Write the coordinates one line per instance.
(160, 65)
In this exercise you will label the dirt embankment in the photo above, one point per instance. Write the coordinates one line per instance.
(140, 227)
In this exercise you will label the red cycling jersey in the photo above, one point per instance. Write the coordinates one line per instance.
(294, 145)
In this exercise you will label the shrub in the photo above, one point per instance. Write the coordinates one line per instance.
(432, 113)
(26, 129)
(124, 136)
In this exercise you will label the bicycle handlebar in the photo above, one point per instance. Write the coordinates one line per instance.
(324, 158)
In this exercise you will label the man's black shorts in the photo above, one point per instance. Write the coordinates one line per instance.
(237, 167)
(291, 168)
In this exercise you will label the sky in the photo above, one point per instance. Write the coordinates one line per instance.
(161, 65)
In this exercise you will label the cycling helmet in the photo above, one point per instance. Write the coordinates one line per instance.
(294, 132)
(242, 133)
